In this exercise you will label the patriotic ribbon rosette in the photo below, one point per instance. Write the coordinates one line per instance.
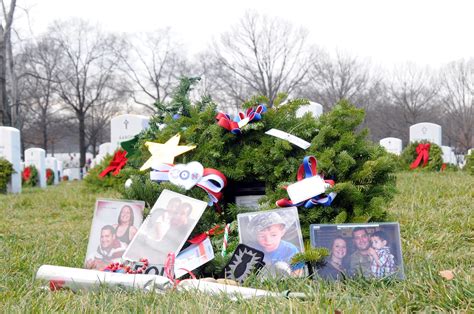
(241, 120)
(192, 174)
(310, 188)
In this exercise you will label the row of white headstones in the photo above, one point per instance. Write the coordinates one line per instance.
(125, 127)
(425, 131)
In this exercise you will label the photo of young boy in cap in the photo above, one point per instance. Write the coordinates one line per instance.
(277, 234)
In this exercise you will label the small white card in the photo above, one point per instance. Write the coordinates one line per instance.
(290, 138)
(306, 189)
(192, 257)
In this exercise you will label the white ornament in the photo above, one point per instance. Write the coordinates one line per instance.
(128, 183)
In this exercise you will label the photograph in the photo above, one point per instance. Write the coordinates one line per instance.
(166, 229)
(370, 250)
(114, 225)
(277, 233)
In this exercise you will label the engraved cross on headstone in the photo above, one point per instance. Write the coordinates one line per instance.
(424, 130)
(125, 122)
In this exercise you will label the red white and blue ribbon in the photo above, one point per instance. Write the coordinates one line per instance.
(212, 181)
(306, 170)
(241, 120)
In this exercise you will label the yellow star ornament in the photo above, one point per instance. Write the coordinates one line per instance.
(165, 153)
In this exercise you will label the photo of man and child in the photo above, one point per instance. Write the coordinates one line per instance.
(277, 234)
(114, 225)
(370, 250)
(166, 229)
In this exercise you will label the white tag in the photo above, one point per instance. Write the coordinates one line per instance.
(306, 189)
(290, 138)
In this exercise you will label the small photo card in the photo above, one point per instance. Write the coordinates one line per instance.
(114, 225)
(166, 229)
(192, 257)
(372, 250)
(277, 233)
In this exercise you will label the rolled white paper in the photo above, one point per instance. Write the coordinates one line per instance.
(87, 279)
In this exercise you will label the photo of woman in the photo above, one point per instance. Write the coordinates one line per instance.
(335, 265)
(124, 229)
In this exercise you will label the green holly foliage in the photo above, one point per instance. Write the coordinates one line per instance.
(6, 171)
(435, 160)
(33, 179)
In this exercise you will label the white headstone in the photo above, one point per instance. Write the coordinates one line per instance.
(125, 127)
(60, 170)
(426, 131)
(10, 149)
(73, 173)
(392, 145)
(469, 151)
(106, 148)
(36, 157)
(314, 108)
(448, 155)
(52, 163)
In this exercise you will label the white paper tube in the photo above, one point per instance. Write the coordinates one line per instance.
(234, 292)
(77, 278)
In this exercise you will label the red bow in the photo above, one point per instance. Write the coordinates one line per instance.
(117, 163)
(26, 174)
(201, 237)
(423, 151)
(49, 173)
(224, 121)
(57, 284)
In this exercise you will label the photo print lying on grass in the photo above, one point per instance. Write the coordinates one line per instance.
(114, 225)
(277, 233)
(370, 250)
(166, 229)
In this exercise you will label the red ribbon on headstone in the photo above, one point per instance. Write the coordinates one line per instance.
(118, 162)
(423, 151)
(201, 237)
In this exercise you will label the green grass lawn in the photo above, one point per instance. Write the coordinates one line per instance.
(434, 210)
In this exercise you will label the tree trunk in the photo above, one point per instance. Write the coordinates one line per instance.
(4, 106)
(81, 116)
(44, 127)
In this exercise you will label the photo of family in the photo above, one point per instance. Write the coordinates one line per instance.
(368, 250)
(277, 233)
(166, 229)
(114, 225)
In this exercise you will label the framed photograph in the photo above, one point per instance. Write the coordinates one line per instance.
(114, 225)
(370, 250)
(277, 233)
(166, 229)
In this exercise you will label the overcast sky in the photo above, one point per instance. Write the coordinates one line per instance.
(388, 32)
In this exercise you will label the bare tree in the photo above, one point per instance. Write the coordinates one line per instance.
(98, 125)
(87, 73)
(153, 63)
(414, 91)
(342, 77)
(39, 63)
(263, 55)
(457, 99)
(6, 63)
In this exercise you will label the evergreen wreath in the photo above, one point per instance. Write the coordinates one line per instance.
(50, 175)
(363, 171)
(6, 171)
(435, 160)
(30, 176)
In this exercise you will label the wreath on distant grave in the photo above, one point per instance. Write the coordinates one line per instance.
(6, 171)
(50, 175)
(422, 156)
(29, 176)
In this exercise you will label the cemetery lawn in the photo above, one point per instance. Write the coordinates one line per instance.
(435, 211)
